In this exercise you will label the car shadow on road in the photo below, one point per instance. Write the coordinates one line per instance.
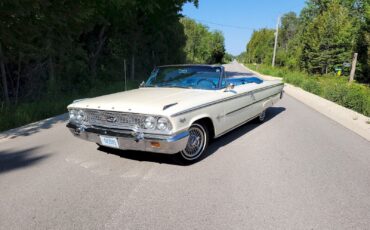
(33, 128)
(12, 160)
(212, 148)
(242, 130)
(142, 156)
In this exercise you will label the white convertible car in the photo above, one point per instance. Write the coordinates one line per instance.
(178, 110)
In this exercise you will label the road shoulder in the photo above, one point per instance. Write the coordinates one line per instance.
(32, 128)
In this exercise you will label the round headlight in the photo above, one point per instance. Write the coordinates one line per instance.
(72, 114)
(80, 116)
(149, 123)
(162, 123)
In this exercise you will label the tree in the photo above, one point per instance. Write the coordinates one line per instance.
(228, 58)
(288, 29)
(287, 40)
(363, 41)
(55, 47)
(260, 47)
(327, 40)
(217, 47)
(326, 34)
(202, 45)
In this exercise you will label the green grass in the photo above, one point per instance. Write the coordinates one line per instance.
(354, 96)
(28, 112)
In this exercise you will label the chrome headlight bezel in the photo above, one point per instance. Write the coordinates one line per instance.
(77, 115)
(80, 116)
(150, 123)
(72, 114)
(163, 124)
(156, 123)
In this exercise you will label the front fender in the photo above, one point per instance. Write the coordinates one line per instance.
(200, 116)
(184, 122)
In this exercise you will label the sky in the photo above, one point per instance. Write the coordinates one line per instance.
(245, 15)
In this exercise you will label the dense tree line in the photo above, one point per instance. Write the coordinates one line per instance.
(203, 45)
(260, 46)
(55, 47)
(325, 35)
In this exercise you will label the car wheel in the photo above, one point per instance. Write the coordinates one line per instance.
(262, 116)
(197, 143)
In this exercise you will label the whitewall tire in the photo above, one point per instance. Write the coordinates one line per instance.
(197, 143)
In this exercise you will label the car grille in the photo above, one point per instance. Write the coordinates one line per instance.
(111, 119)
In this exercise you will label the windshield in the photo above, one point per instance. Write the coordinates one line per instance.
(194, 77)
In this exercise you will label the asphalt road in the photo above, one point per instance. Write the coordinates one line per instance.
(298, 170)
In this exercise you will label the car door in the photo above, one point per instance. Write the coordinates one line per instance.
(237, 106)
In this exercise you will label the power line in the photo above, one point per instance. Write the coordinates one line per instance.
(224, 25)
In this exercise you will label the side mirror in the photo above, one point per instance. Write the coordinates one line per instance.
(142, 84)
(229, 87)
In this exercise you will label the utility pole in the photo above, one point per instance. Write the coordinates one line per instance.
(353, 69)
(276, 40)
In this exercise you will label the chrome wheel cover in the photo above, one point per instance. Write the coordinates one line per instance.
(196, 143)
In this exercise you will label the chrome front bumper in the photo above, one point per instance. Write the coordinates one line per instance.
(131, 140)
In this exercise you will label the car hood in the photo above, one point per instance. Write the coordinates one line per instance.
(156, 101)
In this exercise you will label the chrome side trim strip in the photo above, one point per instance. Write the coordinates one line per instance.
(236, 126)
(225, 99)
(251, 104)
(178, 136)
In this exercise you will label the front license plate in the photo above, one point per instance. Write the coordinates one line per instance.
(109, 141)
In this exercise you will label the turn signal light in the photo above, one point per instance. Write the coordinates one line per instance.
(155, 144)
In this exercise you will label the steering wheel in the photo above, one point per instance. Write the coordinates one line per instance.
(207, 80)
